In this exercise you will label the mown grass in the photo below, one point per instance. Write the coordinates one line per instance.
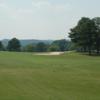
(72, 76)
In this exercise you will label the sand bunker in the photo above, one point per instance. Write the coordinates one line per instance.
(50, 53)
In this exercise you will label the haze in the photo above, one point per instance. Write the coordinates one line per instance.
(43, 19)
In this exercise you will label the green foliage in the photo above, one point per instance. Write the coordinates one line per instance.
(58, 45)
(14, 45)
(29, 48)
(41, 47)
(86, 34)
(1, 46)
(53, 48)
(62, 45)
(71, 46)
(97, 34)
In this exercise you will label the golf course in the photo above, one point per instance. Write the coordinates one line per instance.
(70, 76)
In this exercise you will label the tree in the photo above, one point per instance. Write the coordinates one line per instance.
(53, 48)
(1, 46)
(62, 44)
(83, 34)
(29, 48)
(14, 45)
(97, 34)
(41, 47)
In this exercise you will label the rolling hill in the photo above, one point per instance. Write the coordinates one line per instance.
(25, 42)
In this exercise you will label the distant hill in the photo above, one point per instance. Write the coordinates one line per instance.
(5, 42)
(25, 42)
(32, 41)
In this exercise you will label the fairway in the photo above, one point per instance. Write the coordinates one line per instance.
(71, 76)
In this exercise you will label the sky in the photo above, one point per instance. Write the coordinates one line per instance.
(43, 19)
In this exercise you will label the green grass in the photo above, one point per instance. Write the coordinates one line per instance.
(25, 76)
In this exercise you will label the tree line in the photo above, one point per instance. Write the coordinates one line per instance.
(57, 45)
(86, 35)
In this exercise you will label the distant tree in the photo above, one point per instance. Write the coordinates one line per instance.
(53, 48)
(14, 45)
(1, 46)
(41, 47)
(62, 44)
(29, 48)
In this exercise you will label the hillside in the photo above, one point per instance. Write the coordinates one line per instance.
(25, 42)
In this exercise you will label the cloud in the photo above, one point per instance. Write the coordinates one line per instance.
(39, 4)
(45, 5)
(38, 7)
(41, 19)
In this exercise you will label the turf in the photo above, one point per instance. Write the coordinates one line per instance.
(72, 76)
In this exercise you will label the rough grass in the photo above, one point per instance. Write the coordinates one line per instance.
(25, 76)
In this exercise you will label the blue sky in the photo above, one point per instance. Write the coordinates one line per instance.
(43, 19)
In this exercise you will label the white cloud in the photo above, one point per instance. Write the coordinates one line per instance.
(39, 4)
(47, 5)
